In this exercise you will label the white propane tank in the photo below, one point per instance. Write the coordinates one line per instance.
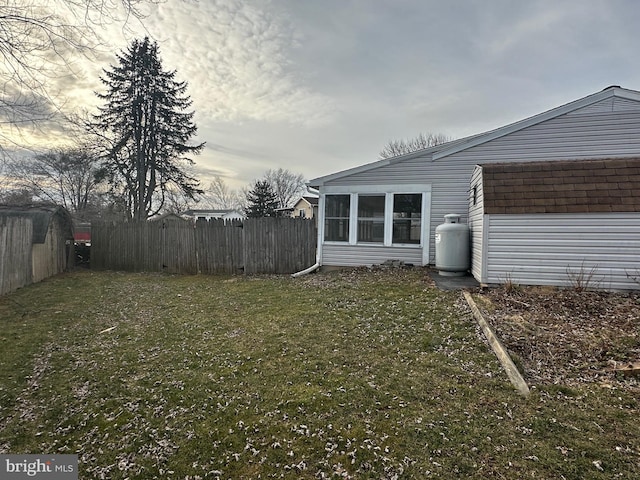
(452, 247)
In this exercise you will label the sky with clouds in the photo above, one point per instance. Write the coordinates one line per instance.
(318, 86)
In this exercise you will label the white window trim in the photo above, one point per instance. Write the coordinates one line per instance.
(353, 220)
(389, 191)
(321, 221)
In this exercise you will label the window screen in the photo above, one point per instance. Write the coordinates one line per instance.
(336, 218)
(371, 218)
(407, 217)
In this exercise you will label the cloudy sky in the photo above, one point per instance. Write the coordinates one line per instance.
(318, 86)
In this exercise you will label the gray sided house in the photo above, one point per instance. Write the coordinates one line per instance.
(389, 209)
(564, 223)
(36, 242)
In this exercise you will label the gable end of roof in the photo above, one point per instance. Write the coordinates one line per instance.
(609, 92)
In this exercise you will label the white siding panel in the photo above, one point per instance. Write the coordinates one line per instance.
(614, 104)
(554, 249)
(476, 218)
(367, 255)
(564, 138)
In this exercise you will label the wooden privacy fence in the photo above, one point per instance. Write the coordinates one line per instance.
(254, 245)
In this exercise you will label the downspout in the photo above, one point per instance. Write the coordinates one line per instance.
(318, 263)
(312, 268)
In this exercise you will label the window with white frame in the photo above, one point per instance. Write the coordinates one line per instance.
(371, 218)
(374, 218)
(407, 218)
(336, 219)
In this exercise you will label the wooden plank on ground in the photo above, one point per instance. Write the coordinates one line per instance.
(627, 368)
(501, 352)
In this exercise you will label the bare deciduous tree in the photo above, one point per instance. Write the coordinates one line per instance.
(67, 177)
(287, 186)
(12, 196)
(176, 201)
(220, 196)
(37, 43)
(395, 148)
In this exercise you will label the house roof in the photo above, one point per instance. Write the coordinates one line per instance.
(455, 146)
(167, 216)
(574, 186)
(209, 212)
(313, 201)
(41, 216)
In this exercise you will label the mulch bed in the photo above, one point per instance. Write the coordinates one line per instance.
(565, 336)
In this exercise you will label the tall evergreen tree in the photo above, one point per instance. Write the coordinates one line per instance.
(146, 120)
(262, 201)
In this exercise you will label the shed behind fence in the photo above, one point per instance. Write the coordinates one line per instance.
(36, 242)
(15, 253)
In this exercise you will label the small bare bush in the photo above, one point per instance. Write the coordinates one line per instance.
(509, 285)
(582, 279)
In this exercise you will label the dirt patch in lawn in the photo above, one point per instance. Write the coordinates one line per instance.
(564, 336)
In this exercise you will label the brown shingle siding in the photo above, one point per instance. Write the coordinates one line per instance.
(517, 210)
(578, 186)
(563, 187)
(626, 208)
(572, 180)
(532, 167)
(628, 171)
(513, 181)
(628, 184)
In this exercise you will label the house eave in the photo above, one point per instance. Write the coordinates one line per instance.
(425, 152)
(320, 181)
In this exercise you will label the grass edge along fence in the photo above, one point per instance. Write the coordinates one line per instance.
(217, 246)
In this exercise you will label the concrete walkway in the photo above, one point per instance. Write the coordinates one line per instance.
(453, 283)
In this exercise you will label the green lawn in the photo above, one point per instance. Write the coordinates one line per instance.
(344, 375)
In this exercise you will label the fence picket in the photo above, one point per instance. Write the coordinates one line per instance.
(255, 245)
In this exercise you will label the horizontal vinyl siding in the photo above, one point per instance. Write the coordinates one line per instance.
(566, 137)
(367, 255)
(411, 171)
(476, 216)
(589, 135)
(447, 198)
(614, 104)
(449, 187)
(555, 249)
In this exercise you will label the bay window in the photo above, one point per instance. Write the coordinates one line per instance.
(375, 217)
